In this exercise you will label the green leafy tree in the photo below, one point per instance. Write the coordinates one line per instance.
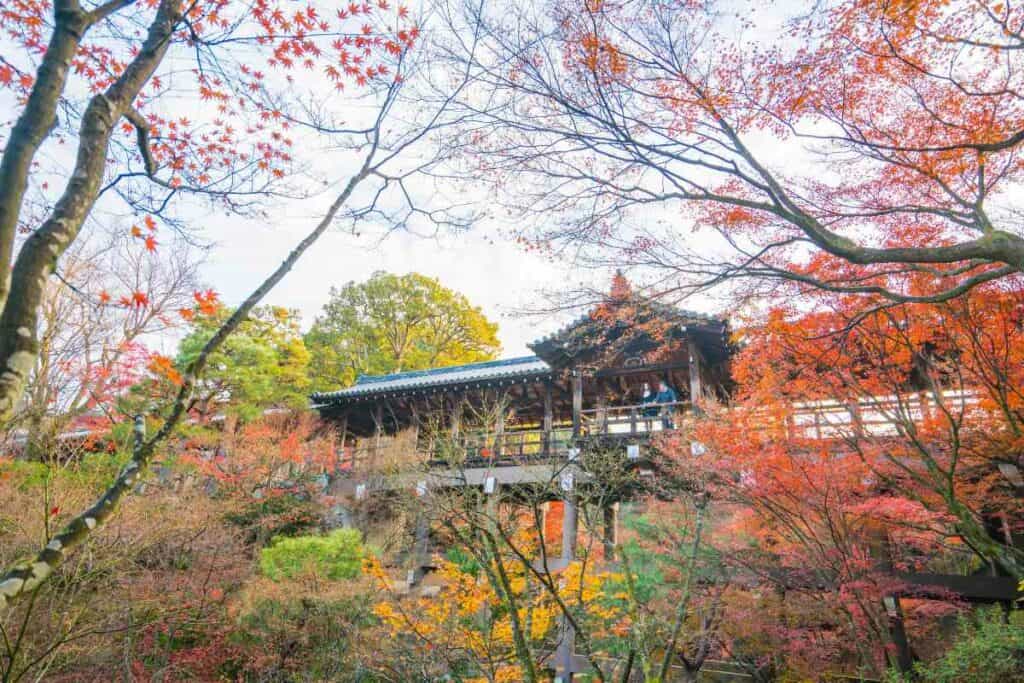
(264, 364)
(392, 323)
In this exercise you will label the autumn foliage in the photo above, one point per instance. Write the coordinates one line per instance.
(864, 444)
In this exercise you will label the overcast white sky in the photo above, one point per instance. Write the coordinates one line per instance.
(492, 272)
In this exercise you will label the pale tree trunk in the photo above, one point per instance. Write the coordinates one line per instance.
(35, 123)
(37, 259)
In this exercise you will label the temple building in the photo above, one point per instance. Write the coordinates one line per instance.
(599, 375)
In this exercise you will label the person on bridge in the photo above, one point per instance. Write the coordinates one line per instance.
(665, 397)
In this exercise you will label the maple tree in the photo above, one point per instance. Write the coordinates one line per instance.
(126, 80)
(864, 444)
(98, 57)
(90, 353)
(865, 147)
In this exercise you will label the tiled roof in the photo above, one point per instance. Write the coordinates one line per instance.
(526, 366)
(665, 309)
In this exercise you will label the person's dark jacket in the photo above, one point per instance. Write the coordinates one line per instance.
(652, 411)
(667, 396)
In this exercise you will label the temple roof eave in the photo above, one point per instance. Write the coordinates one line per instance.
(425, 382)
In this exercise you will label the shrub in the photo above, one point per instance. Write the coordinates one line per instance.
(336, 556)
(986, 651)
(306, 638)
(279, 513)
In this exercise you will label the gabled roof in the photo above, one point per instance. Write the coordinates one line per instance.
(514, 368)
(590, 333)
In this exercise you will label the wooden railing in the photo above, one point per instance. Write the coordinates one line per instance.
(642, 418)
(826, 419)
(870, 416)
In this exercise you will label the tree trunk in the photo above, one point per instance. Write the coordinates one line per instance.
(37, 260)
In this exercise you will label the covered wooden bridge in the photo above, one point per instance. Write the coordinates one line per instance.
(585, 380)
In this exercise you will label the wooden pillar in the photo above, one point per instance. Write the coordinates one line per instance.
(577, 402)
(499, 426)
(569, 527)
(378, 420)
(343, 428)
(549, 419)
(456, 416)
(602, 408)
(904, 659)
(696, 390)
(415, 414)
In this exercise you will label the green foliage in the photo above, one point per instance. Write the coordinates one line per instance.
(647, 575)
(336, 556)
(306, 638)
(466, 563)
(279, 513)
(986, 651)
(93, 470)
(396, 322)
(262, 364)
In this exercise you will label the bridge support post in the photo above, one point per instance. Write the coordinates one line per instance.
(419, 550)
(564, 654)
(904, 658)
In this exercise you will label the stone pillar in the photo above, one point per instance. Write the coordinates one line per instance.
(419, 549)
